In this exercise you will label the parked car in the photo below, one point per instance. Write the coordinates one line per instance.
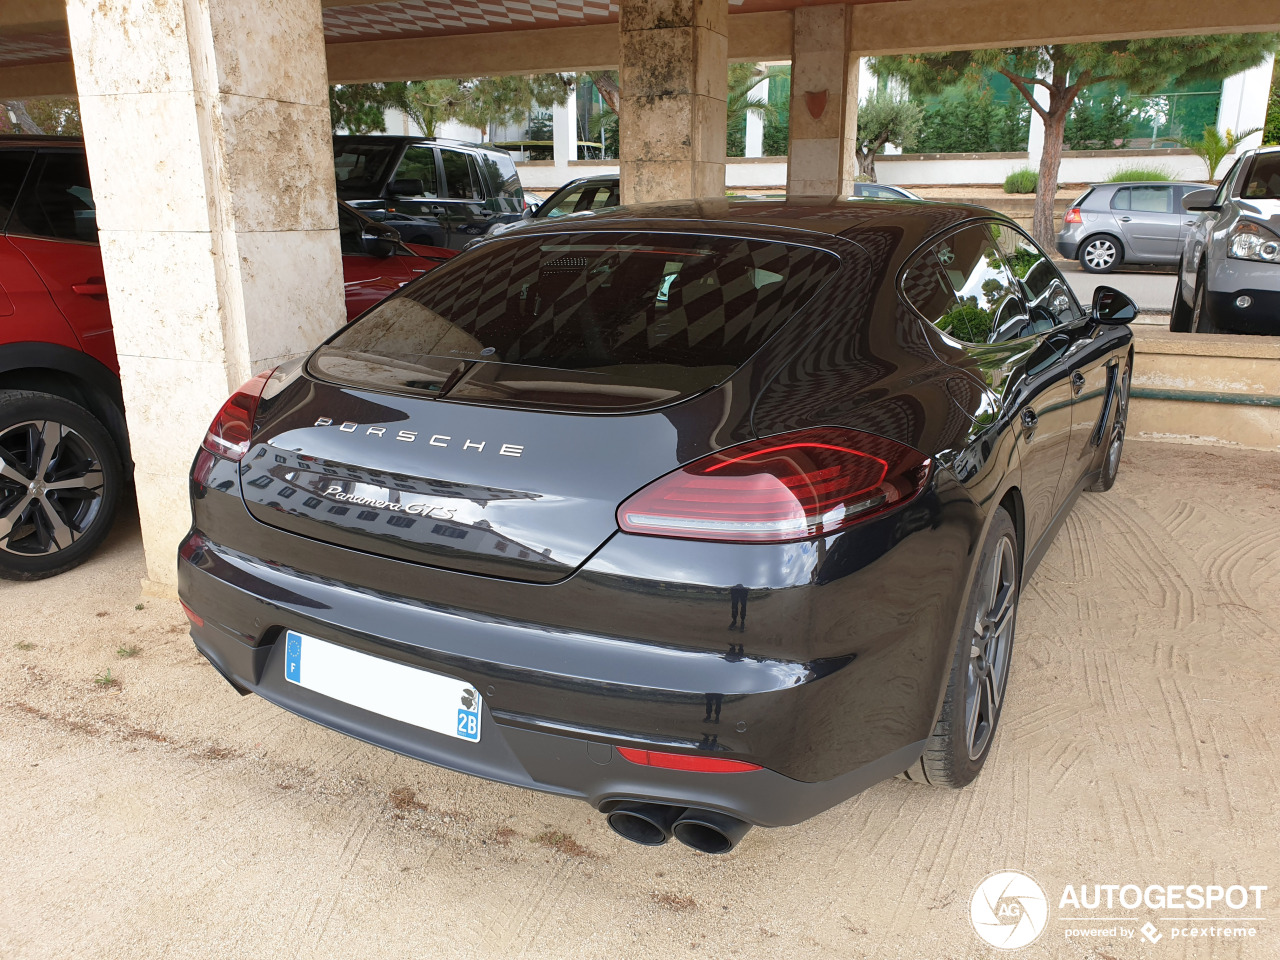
(1115, 223)
(708, 522)
(1229, 271)
(883, 191)
(64, 450)
(461, 188)
(576, 196)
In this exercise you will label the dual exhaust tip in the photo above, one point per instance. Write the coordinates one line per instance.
(653, 824)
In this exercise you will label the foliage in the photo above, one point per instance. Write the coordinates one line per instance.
(885, 117)
(966, 118)
(968, 322)
(1065, 70)
(56, 116)
(1213, 146)
(1139, 174)
(743, 79)
(1101, 122)
(362, 107)
(1271, 132)
(1021, 181)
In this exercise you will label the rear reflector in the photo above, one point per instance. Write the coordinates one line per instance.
(792, 486)
(1073, 216)
(231, 429)
(684, 761)
(194, 617)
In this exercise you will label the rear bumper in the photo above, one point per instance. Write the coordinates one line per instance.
(564, 765)
(1068, 248)
(827, 669)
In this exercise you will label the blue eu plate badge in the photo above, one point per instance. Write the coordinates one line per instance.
(293, 657)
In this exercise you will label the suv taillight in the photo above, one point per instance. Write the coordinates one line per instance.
(231, 429)
(787, 487)
(1073, 216)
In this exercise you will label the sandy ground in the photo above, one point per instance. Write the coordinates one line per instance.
(164, 816)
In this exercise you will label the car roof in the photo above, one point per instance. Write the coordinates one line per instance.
(909, 220)
(1149, 183)
(403, 138)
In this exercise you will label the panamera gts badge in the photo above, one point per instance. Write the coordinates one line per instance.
(468, 445)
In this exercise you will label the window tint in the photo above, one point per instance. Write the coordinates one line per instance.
(876, 192)
(13, 168)
(457, 175)
(349, 232)
(988, 307)
(1264, 178)
(419, 163)
(57, 201)
(629, 318)
(927, 288)
(360, 167)
(585, 197)
(1151, 199)
(1120, 201)
(1049, 298)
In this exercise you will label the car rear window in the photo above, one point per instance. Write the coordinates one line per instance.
(587, 319)
(361, 167)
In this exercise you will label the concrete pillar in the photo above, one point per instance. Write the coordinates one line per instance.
(755, 122)
(206, 124)
(823, 158)
(674, 75)
(564, 130)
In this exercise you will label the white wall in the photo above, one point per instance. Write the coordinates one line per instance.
(1244, 101)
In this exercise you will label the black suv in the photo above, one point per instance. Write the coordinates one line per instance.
(440, 192)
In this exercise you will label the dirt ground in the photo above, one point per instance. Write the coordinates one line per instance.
(161, 815)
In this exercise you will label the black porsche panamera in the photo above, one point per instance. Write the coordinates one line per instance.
(711, 514)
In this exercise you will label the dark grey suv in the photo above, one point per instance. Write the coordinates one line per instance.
(439, 192)
(1115, 223)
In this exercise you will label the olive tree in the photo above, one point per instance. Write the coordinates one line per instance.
(885, 117)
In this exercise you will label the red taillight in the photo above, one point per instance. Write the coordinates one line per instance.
(1073, 216)
(684, 761)
(787, 487)
(231, 429)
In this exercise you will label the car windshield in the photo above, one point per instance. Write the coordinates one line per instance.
(627, 317)
(361, 167)
(1264, 178)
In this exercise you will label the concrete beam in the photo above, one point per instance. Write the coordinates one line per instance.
(32, 16)
(38, 80)
(925, 26)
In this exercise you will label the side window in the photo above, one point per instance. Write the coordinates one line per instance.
(988, 307)
(1121, 200)
(566, 204)
(13, 170)
(1152, 199)
(349, 232)
(1049, 297)
(927, 288)
(419, 163)
(57, 201)
(457, 175)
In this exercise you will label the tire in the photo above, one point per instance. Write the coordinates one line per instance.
(1180, 313)
(1202, 320)
(46, 531)
(1115, 441)
(1101, 253)
(961, 739)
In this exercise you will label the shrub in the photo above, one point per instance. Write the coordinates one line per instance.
(1137, 174)
(1021, 181)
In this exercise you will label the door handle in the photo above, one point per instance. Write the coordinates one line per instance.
(1126, 219)
(1029, 421)
(93, 287)
(1077, 382)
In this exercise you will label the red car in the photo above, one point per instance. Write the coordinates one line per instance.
(64, 450)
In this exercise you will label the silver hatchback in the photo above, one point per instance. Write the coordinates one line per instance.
(1115, 223)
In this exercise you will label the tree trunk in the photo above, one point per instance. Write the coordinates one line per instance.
(867, 163)
(606, 82)
(18, 110)
(1055, 127)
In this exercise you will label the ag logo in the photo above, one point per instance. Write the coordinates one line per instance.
(1008, 910)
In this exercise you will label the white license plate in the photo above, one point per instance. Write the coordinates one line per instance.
(403, 693)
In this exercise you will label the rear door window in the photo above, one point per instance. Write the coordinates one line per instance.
(581, 320)
(57, 201)
(989, 307)
(458, 181)
(1151, 199)
(13, 170)
(419, 163)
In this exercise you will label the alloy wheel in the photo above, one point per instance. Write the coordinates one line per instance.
(51, 487)
(1100, 254)
(989, 649)
(1117, 433)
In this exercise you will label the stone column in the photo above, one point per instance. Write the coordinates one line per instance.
(823, 158)
(206, 124)
(674, 75)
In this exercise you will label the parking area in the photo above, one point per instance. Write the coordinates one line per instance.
(152, 812)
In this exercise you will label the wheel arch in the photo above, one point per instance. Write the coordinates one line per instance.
(72, 375)
(1115, 238)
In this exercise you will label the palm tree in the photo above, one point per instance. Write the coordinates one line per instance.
(1213, 147)
(743, 78)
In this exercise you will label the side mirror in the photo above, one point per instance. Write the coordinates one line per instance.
(1197, 201)
(1112, 307)
(379, 240)
(528, 212)
(406, 188)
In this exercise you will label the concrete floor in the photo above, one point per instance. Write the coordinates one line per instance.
(164, 816)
